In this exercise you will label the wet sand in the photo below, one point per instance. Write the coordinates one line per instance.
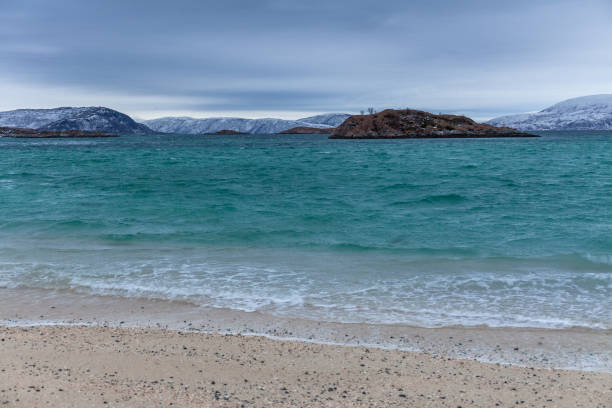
(66, 349)
(574, 348)
(64, 366)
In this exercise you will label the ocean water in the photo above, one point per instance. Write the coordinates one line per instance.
(498, 232)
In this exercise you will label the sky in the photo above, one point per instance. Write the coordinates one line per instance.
(289, 59)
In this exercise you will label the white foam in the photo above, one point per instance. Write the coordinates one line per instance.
(537, 297)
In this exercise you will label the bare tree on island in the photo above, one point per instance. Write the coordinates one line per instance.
(371, 111)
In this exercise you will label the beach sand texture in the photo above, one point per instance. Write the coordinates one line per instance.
(81, 366)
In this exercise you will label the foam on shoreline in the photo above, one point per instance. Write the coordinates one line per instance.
(571, 348)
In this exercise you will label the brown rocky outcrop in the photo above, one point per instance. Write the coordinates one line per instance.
(42, 134)
(305, 130)
(408, 123)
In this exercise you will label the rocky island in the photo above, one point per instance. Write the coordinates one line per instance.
(43, 134)
(305, 130)
(408, 124)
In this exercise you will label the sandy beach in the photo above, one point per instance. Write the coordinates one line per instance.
(66, 366)
(63, 349)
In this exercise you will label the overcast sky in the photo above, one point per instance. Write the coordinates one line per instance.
(287, 58)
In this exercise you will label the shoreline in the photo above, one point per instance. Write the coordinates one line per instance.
(573, 348)
(111, 366)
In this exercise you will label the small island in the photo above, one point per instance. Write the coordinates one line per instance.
(305, 130)
(227, 132)
(415, 124)
(21, 133)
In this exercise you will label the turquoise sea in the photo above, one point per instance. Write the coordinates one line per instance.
(499, 232)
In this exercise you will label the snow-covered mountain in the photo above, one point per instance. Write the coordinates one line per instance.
(103, 119)
(331, 119)
(189, 125)
(269, 125)
(91, 118)
(592, 112)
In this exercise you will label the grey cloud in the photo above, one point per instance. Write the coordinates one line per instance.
(317, 55)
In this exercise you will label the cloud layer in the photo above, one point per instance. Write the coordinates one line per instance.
(150, 58)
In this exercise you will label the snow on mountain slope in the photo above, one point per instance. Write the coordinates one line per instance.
(592, 112)
(331, 119)
(92, 118)
(211, 125)
(107, 120)
(99, 119)
(35, 118)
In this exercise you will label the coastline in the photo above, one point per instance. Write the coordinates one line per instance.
(574, 348)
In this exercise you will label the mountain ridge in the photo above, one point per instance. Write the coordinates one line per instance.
(331, 119)
(591, 112)
(188, 125)
(87, 118)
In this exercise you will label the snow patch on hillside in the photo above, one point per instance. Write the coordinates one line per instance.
(91, 118)
(592, 112)
(331, 119)
(189, 125)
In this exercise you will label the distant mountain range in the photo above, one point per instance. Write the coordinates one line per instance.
(269, 125)
(101, 119)
(585, 113)
(592, 112)
(92, 119)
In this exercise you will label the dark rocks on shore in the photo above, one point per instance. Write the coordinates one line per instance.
(227, 132)
(42, 134)
(305, 130)
(408, 123)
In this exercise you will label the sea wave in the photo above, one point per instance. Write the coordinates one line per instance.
(339, 286)
(414, 232)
